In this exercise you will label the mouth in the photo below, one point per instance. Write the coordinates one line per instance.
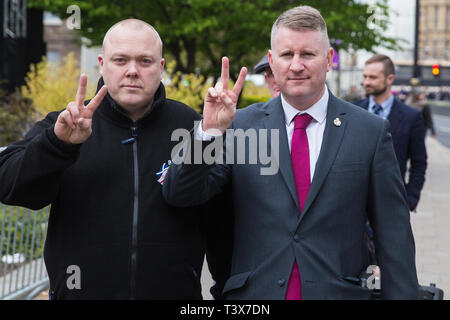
(131, 86)
(298, 78)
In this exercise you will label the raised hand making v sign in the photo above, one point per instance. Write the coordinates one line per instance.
(220, 102)
(74, 125)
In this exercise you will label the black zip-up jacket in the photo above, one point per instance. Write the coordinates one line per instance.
(108, 216)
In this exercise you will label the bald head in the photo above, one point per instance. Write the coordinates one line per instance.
(131, 65)
(134, 25)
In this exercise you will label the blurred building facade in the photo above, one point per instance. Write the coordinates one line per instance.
(434, 32)
(60, 40)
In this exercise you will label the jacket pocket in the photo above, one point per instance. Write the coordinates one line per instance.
(236, 281)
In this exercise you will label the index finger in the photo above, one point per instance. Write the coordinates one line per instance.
(81, 93)
(225, 76)
(240, 81)
(95, 102)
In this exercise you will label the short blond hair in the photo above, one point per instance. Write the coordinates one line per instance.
(301, 18)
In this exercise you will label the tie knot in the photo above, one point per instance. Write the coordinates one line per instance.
(302, 121)
(377, 109)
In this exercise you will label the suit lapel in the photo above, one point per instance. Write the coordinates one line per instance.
(365, 104)
(395, 116)
(332, 139)
(275, 120)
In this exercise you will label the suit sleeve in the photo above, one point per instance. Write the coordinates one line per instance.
(193, 181)
(418, 157)
(219, 224)
(30, 169)
(390, 219)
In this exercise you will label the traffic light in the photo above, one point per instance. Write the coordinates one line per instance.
(435, 70)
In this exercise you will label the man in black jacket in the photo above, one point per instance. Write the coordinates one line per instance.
(100, 165)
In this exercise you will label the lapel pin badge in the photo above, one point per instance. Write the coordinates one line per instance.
(337, 122)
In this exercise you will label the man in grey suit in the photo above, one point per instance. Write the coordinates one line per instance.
(299, 231)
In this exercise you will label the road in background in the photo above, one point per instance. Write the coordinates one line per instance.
(442, 127)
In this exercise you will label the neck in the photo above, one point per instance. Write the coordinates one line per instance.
(382, 97)
(138, 113)
(303, 103)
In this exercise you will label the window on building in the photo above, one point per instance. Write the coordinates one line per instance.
(447, 14)
(53, 55)
(436, 53)
(436, 17)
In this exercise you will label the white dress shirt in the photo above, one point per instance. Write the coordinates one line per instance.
(314, 130)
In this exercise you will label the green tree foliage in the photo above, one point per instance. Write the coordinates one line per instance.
(197, 33)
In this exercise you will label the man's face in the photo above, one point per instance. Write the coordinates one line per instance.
(132, 66)
(375, 82)
(300, 61)
(274, 89)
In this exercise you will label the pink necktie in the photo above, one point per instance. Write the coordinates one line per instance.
(302, 176)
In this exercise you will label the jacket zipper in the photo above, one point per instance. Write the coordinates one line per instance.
(134, 234)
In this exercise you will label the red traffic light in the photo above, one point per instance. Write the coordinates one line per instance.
(435, 70)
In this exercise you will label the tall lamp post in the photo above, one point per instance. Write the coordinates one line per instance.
(416, 68)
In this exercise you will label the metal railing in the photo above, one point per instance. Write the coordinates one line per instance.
(22, 235)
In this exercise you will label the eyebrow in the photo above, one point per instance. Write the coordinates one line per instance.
(301, 51)
(121, 54)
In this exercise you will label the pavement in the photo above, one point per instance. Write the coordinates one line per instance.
(430, 224)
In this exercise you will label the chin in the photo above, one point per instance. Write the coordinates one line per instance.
(298, 92)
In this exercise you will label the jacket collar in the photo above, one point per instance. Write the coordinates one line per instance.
(110, 109)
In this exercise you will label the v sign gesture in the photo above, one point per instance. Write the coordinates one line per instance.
(220, 102)
(74, 125)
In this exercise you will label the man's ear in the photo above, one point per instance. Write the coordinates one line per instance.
(269, 56)
(163, 62)
(330, 58)
(100, 63)
(390, 79)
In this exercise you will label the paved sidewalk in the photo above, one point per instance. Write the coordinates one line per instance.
(431, 223)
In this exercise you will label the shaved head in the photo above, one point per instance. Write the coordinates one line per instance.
(130, 24)
(131, 65)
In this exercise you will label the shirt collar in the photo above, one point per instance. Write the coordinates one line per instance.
(318, 110)
(385, 105)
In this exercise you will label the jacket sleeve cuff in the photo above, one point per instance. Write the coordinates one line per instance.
(412, 202)
(65, 148)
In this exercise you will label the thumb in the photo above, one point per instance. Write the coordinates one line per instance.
(84, 124)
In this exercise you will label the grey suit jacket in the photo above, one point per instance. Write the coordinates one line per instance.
(356, 177)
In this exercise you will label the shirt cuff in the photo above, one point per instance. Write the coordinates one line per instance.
(206, 136)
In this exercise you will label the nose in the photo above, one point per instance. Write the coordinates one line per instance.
(297, 64)
(132, 70)
(365, 82)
